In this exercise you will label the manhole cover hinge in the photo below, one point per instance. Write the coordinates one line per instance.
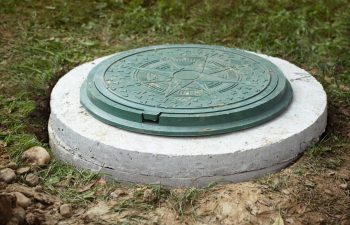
(150, 117)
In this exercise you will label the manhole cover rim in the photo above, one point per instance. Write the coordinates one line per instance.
(101, 67)
(95, 94)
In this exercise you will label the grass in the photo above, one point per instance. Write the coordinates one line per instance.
(325, 153)
(66, 182)
(158, 194)
(184, 201)
(274, 182)
(42, 40)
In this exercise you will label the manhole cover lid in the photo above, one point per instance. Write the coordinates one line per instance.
(185, 90)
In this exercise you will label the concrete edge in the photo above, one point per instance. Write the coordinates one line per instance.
(65, 154)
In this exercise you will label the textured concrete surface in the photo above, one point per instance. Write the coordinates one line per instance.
(79, 139)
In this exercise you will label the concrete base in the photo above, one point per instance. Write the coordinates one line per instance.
(79, 139)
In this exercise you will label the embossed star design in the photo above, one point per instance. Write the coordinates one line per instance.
(183, 77)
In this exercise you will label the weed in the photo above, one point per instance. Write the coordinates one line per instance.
(274, 182)
(182, 201)
(158, 194)
(65, 181)
(318, 150)
(334, 163)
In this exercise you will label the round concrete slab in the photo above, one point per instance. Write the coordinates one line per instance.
(78, 138)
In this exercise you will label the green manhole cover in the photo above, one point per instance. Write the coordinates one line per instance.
(185, 90)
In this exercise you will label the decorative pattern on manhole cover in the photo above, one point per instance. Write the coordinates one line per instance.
(185, 90)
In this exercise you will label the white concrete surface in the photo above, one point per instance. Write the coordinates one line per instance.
(79, 139)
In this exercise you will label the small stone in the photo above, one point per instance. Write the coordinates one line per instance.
(7, 175)
(12, 165)
(22, 170)
(20, 214)
(36, 155)
(32, 179)
(22, 200)
(148, 195)
(344, 186)
(66, 210)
